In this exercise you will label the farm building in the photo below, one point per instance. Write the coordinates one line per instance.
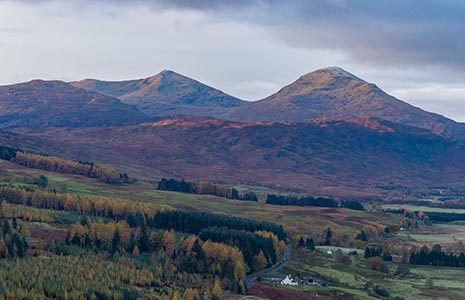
(289, 281)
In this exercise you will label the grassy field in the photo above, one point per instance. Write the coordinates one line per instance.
(299, 220)
(447, 235)
(348, 282)
(424, 208)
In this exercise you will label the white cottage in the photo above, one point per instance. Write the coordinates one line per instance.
(289, 281)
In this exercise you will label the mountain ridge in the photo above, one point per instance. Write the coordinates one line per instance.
(39, 104)
(313, 157)
(164, 94)
(329, 93)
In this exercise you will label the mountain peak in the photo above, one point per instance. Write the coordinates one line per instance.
(165, 94)
(334, 93)
(171, 76)
(168, 72)
(332, 73)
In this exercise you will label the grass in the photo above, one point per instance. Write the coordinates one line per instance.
(447, 235)
(298, 220)
(449, 283)
(424, 208)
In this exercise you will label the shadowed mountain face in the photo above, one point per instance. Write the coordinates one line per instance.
(336, 94)
(166, 93)
(307, 156)
(42, 104)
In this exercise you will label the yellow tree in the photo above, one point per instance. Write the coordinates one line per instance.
(190, 294)
(24, 230)
(217, 291)
(260, 261)
(5, 209)
(169, 242)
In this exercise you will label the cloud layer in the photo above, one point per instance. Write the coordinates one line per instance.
(382, 33)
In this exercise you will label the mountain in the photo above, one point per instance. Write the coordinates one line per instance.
(324, 157)
(336, 94)
(41, 104)
(166, 93)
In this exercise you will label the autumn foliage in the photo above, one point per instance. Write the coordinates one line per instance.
(61, 165)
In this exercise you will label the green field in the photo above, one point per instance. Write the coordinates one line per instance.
(424, 208)
(300, 220)
(348, 282)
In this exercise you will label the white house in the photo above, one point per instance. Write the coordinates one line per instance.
(289, 281)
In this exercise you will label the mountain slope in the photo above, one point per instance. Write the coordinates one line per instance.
(314, 157)
(41, 104)
(336, 94)
(166, 93)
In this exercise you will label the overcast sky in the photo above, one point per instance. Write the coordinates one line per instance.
(413, 49)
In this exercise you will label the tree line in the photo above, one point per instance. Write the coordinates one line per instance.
(135, 213)
(57, 164)
(195, 222)
(312, 201)
(260, 250)
(204, 188)
(436, 257)
(445, 216)
(377, 252)
(94, 206)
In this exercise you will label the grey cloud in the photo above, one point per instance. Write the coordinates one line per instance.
(378, 33)
(388, 33)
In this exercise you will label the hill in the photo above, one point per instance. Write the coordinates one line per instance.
(166, 93)
(320, 156)
(337, 94)
(42, 104)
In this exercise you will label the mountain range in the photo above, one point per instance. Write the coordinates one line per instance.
(330, 93)
(329, 132)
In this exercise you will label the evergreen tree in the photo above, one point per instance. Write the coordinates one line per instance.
(328, 236)
(116, 242)
(6, 227)
(362, 236)
(144, 242)
(42, 182)
(310, 244)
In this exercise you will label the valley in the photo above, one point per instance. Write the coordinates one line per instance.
(232, 150)
(185, 192)
(345, 281)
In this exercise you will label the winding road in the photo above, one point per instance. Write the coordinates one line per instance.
(250, 279)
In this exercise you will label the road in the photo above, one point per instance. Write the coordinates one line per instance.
(250, 279)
